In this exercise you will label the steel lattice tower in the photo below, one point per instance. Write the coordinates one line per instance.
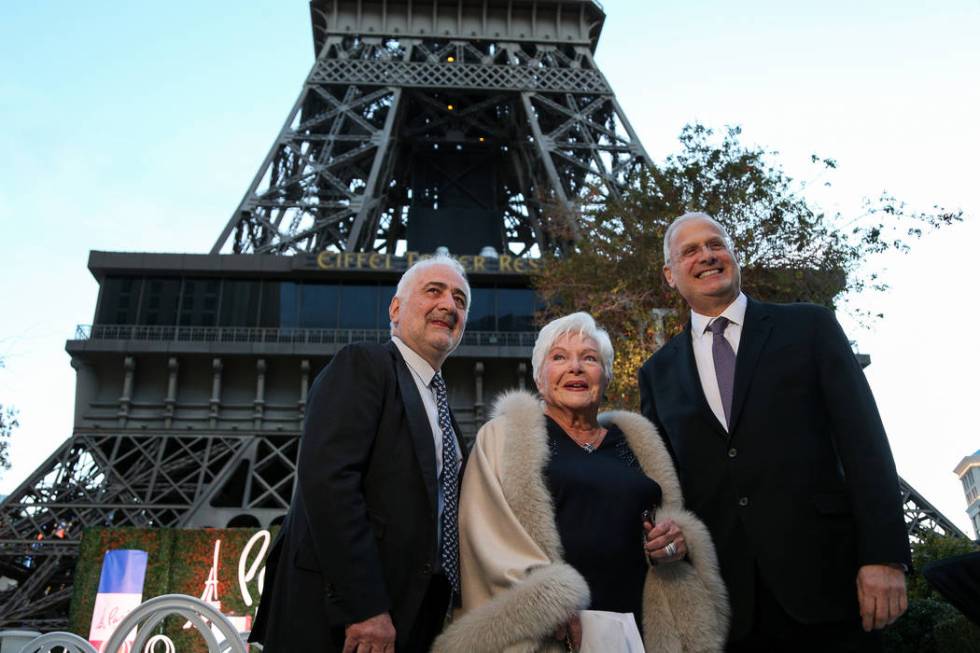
(470, 124)
(492, 107)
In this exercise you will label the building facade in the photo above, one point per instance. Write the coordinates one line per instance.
(968, 472)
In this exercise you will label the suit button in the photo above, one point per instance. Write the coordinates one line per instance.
(732, 452)
(744, 501)
(426, 569)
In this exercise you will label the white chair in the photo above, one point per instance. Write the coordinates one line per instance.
(151, 614)
(67, 642)
(12, 641)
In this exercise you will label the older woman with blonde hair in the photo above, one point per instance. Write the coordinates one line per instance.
(557, 516)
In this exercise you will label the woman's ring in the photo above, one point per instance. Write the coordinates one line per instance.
(670, 549)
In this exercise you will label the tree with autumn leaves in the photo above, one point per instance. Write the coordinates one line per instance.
(788, 248)
(8, 422)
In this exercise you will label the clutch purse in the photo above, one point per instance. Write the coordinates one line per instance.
(609, 632)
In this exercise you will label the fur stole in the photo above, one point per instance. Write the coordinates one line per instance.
(685, 604)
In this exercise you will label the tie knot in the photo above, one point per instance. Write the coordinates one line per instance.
(718, 326)
(438, 382)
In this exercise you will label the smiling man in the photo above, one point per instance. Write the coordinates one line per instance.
(781, 452)
(367, 559)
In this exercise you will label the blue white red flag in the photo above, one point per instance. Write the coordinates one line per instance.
(120, 592)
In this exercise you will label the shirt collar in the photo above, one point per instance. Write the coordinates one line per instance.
(416, 363)
(735, 314)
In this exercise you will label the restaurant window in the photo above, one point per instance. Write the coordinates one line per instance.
(359, 306)
(270, 304)
(482, 314)
(288, 305)
(318, 306)
(515, 309)
(120, 300)
(159, 305)
(199, 302)
(239, 303)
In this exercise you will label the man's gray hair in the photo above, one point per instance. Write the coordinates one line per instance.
(422, 264)
(693, 215)
(579, 323)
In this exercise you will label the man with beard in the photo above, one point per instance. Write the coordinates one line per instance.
(367, 558)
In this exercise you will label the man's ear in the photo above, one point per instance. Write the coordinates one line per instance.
(669, 276)
(393, 310)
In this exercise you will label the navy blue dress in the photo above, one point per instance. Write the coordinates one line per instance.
(599, 498)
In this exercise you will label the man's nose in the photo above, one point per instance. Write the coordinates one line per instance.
(446, 303)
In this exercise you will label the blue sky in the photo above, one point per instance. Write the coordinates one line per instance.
(137, 127)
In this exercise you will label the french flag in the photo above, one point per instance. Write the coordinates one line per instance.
(120, 592)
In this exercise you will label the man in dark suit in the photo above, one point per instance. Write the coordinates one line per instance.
(367, 559)
(781, 451)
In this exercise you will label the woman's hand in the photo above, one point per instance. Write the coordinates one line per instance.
(664, 542)
(570, 631)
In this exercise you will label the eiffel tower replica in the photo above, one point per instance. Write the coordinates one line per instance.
(423, 124)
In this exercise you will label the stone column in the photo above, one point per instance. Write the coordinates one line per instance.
(126, 400)
(259, 402)
(214, 404)
(170, 403)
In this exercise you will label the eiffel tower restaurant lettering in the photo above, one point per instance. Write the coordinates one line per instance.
(503, 264)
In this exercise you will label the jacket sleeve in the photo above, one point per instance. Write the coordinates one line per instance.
(344, 412)
(862, 446)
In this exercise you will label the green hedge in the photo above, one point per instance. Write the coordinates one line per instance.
(932, 626)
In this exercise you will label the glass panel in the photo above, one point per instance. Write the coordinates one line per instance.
(318, 306)
(120, 300)
(515, 309)
(270, 308)
(482, 316)
(239, 303)
(288, 304)
(159, 306)
(359, 306)
(199, 302)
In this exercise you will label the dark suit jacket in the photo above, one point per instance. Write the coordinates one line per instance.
(360, 535)
(804, 487)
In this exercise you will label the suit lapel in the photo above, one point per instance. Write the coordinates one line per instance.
(755, 332)
(418, 423)
(691, 379)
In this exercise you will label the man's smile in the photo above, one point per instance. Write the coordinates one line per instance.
(709, 273)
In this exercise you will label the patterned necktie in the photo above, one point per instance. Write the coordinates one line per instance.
(448, 482)
(724, 357)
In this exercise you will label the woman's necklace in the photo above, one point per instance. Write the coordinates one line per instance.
(590, 446)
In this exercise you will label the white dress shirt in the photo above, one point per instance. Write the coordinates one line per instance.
(422, 372)
(701, 339)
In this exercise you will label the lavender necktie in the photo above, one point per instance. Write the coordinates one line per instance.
(448, 483)
(724, 357)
